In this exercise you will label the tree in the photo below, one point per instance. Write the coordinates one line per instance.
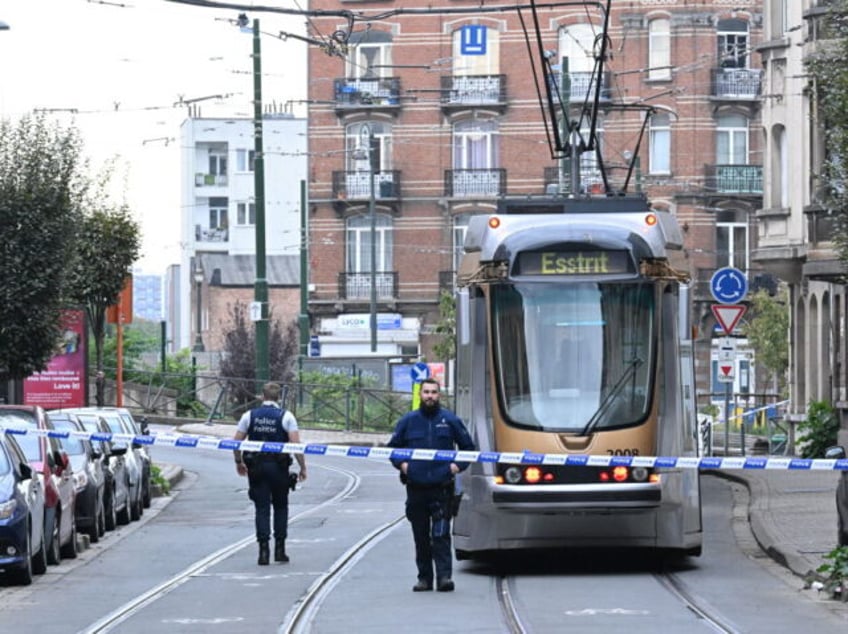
(445, 348)
(829, 88)
(238, 363)
(39, 191)
(767, 330)
(109, 242)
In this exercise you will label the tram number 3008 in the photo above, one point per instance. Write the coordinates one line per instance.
(623, 452)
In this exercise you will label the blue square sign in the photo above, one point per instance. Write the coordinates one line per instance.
(472, 39)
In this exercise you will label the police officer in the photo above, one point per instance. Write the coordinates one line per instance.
(268, 473)
(430, 483)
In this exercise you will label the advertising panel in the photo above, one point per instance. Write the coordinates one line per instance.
(63, 383)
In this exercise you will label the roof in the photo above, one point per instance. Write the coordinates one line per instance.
(221, 269)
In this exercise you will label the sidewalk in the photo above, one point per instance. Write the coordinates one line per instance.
(792, 514)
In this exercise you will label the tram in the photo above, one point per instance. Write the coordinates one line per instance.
(574, 337)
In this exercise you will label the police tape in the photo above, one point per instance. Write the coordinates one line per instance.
(444, 455)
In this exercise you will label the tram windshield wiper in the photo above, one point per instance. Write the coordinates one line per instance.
(605, 404)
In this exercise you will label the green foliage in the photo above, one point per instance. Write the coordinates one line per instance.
(767, 330)
(39, 181)
(138, 339)
(829, 90)
(819, 430)
(834, 575)
(711, 410)
(109, 242)
(158, 481)
(238, 363)
(445, 349)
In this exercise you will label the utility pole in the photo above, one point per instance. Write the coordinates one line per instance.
(366, 138)
(303, 319)
(260, 295)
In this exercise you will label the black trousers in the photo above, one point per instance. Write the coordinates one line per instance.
(269, 486)
(427, 509)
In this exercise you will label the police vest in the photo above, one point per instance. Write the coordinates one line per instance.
(266, 425)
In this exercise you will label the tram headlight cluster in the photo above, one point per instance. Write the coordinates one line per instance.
(532, 474)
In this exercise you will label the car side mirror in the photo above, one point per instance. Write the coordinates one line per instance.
(62, 462)
(144, 426)
(96, 455)
(118, 451)
(26, 471)
(835, 453)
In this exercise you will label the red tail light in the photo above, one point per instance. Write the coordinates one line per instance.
(619, 474)
(533, 475)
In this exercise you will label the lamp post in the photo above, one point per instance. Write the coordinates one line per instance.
(366, 139)
(198, 282)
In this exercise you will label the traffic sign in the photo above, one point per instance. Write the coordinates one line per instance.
(419, 372)
(728, 315)
(726, 373)
(729, 285)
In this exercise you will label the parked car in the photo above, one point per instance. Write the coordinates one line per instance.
(116, 498)
(23, 551)
(838, 453)
(140, 428)
(47, 458)
(89, 479)
(132, 458)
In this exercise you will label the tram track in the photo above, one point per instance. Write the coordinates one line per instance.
(124, 612)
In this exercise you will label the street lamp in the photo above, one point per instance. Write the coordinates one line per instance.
(198, 281)
(366, 141)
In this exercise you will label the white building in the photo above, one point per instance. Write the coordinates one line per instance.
(218, 203)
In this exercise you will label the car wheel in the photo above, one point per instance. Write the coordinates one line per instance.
(69, 550)
(111, 520)
(39, 559)
(145, 492)
(23, 575)
(136, 510)
(54, 554)
(94, 531)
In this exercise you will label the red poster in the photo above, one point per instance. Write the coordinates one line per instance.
(63, 383)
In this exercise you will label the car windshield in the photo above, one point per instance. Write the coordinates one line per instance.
(72, 444)
(27, 442)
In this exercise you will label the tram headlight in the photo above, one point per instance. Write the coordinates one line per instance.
(533, 475)
(639, 474)
(512, 475)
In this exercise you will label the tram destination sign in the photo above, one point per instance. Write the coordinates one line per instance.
(573, 262)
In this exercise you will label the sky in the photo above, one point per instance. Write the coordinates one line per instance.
(118, 71)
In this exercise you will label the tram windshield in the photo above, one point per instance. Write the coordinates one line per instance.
(574, 357)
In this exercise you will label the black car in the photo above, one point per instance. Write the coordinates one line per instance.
(116, 498)
(89, 478)
(838, 453)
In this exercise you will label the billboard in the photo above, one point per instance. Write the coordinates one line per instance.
(63, 382)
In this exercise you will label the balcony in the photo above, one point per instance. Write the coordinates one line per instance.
(355, 186)
(462, 91)
(376, 93)
(736, 83)
(558, 181)
(487, 183)
(357, 286)
(583, 87)
(205, 234)
(210, 180)
(743, 180)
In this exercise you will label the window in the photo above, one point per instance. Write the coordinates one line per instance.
(217, 213)
(732, 140)
(660, 144)
(488, 64)
(357, 152)
(732, 43)
(245, 160)
(359, 243)
(732, 240)
(475, 144)
(659, 49)
(576, 45)
(370, 55)
(217, 163)
(460, 228)
(246, 213)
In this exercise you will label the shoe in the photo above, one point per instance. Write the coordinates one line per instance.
(264, 554)
(280, 551)
(445, 585)
(422, 586)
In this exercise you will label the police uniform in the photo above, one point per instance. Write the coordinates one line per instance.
(430, 489)
(268, 473)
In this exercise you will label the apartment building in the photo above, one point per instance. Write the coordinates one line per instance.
(438, 114)
(218, 264)
(795, 227)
